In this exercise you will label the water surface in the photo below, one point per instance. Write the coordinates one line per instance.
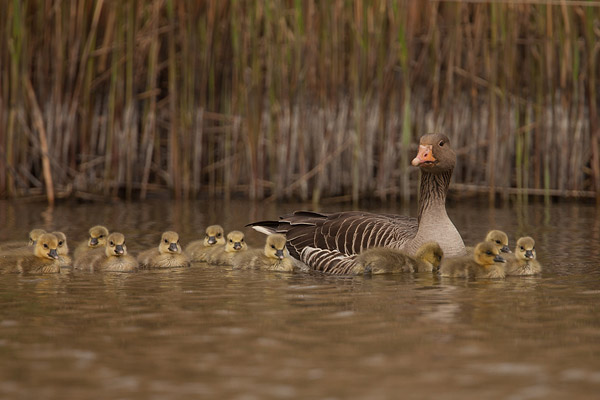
(207, 332)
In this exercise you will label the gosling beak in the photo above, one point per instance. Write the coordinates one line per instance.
(237, 245)
(94, 241)
(119, 250)
(212, 240)
(173, 247)
(424, 156)
(53, 254)
(499, 259)
(529, 254)
(279, 254)
(505, 249)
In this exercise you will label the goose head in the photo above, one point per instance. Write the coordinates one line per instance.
(46, 247)
(235, 242)
(525, 249)
(432, 253)
(98, 235)
(275, 247)
(214, 235)
(486, 254)
(62, 248)
(115, 245)
(169, 243)
(435, 154)
(34, 235)
(499, 239)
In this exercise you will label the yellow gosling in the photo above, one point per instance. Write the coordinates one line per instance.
(223, 255)
(274, 256)
(198, 249)
(43, 259)
(97, 239)
(381, 260)
(168, 254)
(524, 261)
(484, 263)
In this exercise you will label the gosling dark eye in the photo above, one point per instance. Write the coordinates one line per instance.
(230, 241)
(242, 240)
(273, 247)
(489, 253)
(112, 243)
(497, 241)
(218, 235)
(60, 243)
(45, 246)
(441, 143)
(100, 237)
(166, 241)
(522, 248)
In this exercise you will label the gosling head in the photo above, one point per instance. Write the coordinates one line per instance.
(98, 235)
(115, 245)
(46, 246)
(486, 254)
(525, 249)
(34, 236)
(275, 247)
(500, 239)
(435, 154)
(432, 253)
(169, 243)
(62, 249)
(235, 242)
(214, 235)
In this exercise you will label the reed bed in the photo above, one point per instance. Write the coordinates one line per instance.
(296, 99)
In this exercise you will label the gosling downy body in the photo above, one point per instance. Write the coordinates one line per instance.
(199, 249)
(168, 254)
(96, 240)
(523, 261)
(486, 262)
(223, 255)
(274, 256)
(42, 260)
(115, 257)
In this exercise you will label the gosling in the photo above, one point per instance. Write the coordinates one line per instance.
(498, 238)
(168, 254)
(485, 263)
(274, 256)
(114, 258)
(42, 260)
(223, 255)
(96, 240)
(381, 260)
(523, 262)
(198, 249)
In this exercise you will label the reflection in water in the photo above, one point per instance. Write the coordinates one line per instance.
(216, 332)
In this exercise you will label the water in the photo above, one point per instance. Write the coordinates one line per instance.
(207, 332)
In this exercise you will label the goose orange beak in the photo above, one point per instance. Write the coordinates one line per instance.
(425, 155)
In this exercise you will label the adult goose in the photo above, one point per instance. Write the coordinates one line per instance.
(351, 232)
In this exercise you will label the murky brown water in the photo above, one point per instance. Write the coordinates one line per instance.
(208, 332)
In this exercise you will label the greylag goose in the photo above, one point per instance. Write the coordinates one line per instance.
(96, 240)
(274, 257)
(198, 249)
(223, 255)
(62, 249)
(42, 260)
(349, 233)
(114, 258)
(168, 254)
(484, 263)
(376, 260)
(523, 261)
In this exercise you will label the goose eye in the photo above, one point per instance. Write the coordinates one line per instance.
(166, 241)
(489, 253)
(273, 247)
(60, 243)
(218, 235)
(45, 246)
(230, 241)
(112, 243)
(101, 236)
(497, 241)
(242, 240)
(441, 143)
(522, 248)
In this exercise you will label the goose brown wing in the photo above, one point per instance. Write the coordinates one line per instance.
(329, 261)
(347, 232)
